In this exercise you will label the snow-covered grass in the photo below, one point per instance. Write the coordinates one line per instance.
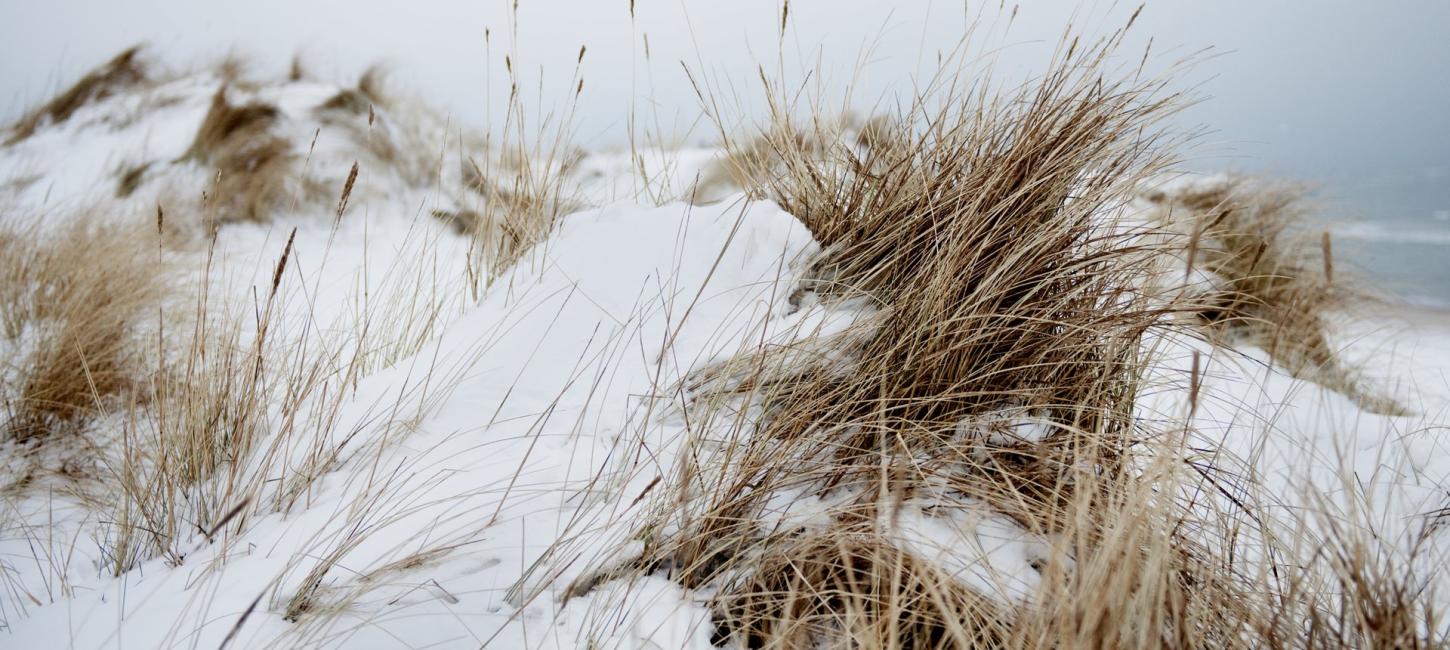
(363, 379)
(1266, 284)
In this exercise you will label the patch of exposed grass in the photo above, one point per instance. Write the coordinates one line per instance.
(122, 71)
(1273, 280)
(1005, 289)
(253, 166)
(1006, 296)
(72, 301)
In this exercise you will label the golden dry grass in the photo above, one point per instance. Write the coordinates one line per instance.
(983, 233)
(77, 297)
(520, 186)
(123, 71)
(1275, 280)
(361, 99)
(1002, 291)
(129, 179)
(850, 584)
(253, 166)
(102, 311)
(1005, 292)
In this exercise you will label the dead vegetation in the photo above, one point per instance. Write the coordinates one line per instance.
(72, 301)
(252, 151)
(254, 167)
(518, 188)
(1006, 296)
(997, 366)
(129, 179)
(505, 193)
(984, 235)
(850, 584)
(523, 201)
(122, 71)
(206, 403)
(515, 213)
(750, 164)
(1272, 281)
(360, 99)
(192, 424)
(208, 406)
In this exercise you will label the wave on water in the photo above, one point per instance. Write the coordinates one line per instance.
(1390, 233)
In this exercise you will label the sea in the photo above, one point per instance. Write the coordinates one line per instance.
(1393, 232)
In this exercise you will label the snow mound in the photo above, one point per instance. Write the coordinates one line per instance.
(487, 464)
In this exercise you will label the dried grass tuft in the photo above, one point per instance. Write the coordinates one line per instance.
(295, 70)
(74, 301)
(519, 198)
(1272, 289)
(359, 100)
(851, 584)
(347, 100)
(129, 179)
(1005, 292)
(373, 85)
(225, 125)
(253, 165)
(123, 71)
(997, 367)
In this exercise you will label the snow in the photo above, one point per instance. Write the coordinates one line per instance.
(972, 543)
(1320, 463)
(505, 453)
(546, 383)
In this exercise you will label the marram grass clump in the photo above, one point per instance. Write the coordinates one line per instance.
(1271, 281)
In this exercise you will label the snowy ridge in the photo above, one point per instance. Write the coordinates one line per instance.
(506, 453)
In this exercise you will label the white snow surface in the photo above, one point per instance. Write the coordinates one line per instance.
(512, 451)
(519, 454)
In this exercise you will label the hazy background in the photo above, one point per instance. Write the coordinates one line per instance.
(1353, 96)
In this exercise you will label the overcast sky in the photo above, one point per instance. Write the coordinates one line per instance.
(1326, 90)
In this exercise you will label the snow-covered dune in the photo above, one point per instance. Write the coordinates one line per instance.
(470, 453)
